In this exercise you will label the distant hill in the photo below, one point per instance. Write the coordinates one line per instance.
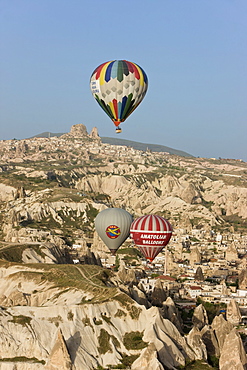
(130, 143)
(144, 146)
(48, 134)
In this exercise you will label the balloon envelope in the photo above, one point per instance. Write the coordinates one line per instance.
(113, 227)
(151, 234)
(119, 87)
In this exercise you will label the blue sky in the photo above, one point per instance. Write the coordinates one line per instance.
(193, 51)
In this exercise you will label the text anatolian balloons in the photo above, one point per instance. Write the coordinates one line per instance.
(113, 227)
(150, 234)
(119, 87)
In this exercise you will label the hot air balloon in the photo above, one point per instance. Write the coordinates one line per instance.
(150, 234)
(119, 87)
(113, 227)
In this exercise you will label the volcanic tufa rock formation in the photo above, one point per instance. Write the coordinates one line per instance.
(195, 256)
(158, 295)
(231, 253)
(171, 313)
(233, 314)
(200, 317)
(20, 193)
(209, 339)
(242, 282)
(233, 355)
(7, 193)
(221, 329)
(194, 340)
(139, 296)
(126, 276)
(94, 134)
(147, 360)
(199, 275)
(78, 131)
(59, 357)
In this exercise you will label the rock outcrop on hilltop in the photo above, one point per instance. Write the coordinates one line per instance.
(94, 134)
(77, 131)
(80, 131)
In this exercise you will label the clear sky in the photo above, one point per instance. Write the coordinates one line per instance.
(194, 53)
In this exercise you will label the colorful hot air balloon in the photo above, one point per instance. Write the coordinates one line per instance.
(119, 87)
(113, 227)
(151, 234)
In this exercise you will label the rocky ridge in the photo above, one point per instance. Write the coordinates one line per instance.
(61, 183)
(58, 315)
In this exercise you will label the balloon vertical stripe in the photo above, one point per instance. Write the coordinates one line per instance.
(119, 109)
(115, 105)
(113, 71)
(108, 72)
(105, 108)
(150, 223)
(102, 74)
(123, 106)
(126, 70)
(136, 71)
(127, 105)
(130, 66)
(112, 109)
(98, 70)
(120, 71)
(150, 234)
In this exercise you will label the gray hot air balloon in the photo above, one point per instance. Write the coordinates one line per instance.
(113, 227)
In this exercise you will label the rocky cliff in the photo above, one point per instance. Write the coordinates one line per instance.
(78, 317)
(66, 314)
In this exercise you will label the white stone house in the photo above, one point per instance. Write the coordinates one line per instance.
(194, 291)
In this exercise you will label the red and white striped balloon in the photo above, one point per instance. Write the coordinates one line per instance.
(150, 234)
